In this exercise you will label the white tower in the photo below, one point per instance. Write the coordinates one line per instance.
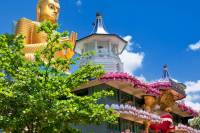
(108, 47)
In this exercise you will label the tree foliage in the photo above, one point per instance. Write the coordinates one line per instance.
(195, 122)
(38, 96)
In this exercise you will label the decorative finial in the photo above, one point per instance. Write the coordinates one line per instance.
(165, 67)
(98, 14)
(99, 25)
(165, 72)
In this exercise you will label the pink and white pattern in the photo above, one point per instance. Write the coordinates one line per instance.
(188, 109)
(137, 113)
(186, 129)
(148, 88)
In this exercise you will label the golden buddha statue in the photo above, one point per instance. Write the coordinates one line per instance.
(33, 41)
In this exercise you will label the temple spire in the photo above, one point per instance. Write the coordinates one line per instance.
(165, 72)
(99, 25)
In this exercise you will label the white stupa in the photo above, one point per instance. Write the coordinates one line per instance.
(108, 47)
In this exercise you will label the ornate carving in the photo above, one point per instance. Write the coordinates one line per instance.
(166, 101)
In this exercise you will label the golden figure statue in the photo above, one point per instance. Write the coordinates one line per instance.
(46, 10)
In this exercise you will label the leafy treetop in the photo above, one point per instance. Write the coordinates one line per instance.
(38, 96)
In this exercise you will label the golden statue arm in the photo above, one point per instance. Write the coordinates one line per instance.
(70, 52)
(30, 49)
(24, 27)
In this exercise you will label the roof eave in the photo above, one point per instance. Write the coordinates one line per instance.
(94, 34)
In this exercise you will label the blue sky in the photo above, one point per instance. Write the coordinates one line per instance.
(161, 31)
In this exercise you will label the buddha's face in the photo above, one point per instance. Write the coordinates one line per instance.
(49, 10)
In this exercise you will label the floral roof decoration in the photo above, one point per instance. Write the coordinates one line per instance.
(188, 109)
(160, 84)
(148, 88)
(187, 128)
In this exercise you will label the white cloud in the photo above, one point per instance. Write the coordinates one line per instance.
(128, 38)
(192, 86)
(132, 61)
(194, 105)
(195, 46)
(193, 97)
(78, 3)
(193, 94)
(131, 43)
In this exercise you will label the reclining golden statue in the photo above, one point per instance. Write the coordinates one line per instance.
(33, 41)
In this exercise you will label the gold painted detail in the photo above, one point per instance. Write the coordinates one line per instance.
(167, 101)
(149, 101)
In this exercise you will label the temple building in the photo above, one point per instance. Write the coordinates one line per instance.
(142, 107)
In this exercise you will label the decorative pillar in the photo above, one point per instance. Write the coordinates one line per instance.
(149, 101)
(95, 45)
(147, 125)
(110, 47)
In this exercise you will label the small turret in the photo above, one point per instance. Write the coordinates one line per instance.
(165, 72)
(99, 27)
(107, 46)
(177, 89)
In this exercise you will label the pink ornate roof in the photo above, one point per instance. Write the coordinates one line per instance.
(188, 109)
(148, 88)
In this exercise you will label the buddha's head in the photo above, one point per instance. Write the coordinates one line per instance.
(48, 10)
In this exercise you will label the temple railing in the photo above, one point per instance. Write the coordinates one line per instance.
(186, 129)
(136, 114)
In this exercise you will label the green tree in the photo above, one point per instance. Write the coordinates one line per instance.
(38, 96)
(195, 122)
